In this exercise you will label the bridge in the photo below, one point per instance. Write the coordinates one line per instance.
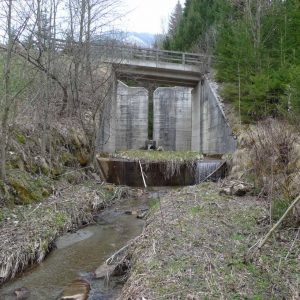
(166, 67)
(187, 115)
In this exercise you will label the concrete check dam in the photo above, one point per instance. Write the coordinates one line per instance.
(186, 114)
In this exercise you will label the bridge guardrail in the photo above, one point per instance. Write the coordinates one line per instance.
(119, 53)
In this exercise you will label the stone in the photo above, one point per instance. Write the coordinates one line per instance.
(240, 189)
(141, 215)
(104, 271)
(236, 188)
(22, 293)
(78, 290)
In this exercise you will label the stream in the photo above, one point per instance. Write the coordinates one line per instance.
(79, 254)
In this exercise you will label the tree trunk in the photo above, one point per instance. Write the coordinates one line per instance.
(6, 100)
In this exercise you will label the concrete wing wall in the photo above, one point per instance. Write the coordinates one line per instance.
(211, 132)
(172, 118)
(132, 117)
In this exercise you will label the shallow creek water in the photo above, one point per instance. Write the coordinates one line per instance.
(80, 253)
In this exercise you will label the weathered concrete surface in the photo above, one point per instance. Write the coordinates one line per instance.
(168, 73)
(106, 139)
(132, 117)
(172, 124)
(210, 131)
(183, 120)
(125, 122)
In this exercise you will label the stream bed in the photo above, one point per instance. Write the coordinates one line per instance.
(79, 254)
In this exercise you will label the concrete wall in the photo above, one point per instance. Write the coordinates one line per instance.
(183, 120)
(106, 139)
(211, 133)
(172, 124)
(132, 117)
(125, 119)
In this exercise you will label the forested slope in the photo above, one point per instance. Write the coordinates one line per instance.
(256, 48)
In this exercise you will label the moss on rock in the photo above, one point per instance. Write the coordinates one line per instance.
(27, 188)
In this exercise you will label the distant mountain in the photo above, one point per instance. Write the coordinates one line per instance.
(140, 39)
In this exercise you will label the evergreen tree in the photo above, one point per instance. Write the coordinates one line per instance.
(175, 19)
(257, 51)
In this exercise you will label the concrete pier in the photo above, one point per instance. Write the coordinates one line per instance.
(125, 122)
(172, 126)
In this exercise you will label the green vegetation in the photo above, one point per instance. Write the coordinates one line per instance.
(29, 188)
(256, 46)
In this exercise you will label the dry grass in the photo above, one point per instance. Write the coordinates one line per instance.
(27, 233)
(171, 160)
(269, 156)
(195, 246)
(157, 156)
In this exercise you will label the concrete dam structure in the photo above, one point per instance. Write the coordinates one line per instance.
(186, 116)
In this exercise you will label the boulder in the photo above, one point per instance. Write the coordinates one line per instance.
(22, 293)
(78, 290)
(236, 188)
(104, 271)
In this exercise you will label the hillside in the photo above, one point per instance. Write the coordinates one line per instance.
(256, 48)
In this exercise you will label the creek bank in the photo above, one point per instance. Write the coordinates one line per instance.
(33, 176)
(79, 254)
(195, 246)
(27, 233)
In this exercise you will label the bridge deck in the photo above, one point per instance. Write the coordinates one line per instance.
(171, 67)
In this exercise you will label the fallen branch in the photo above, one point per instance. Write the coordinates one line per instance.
(112, 257)
(212, 173)
(261, 243)
(142, 174)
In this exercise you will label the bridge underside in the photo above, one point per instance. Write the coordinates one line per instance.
(164, 73)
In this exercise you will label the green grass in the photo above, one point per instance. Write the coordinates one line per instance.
(148, 155)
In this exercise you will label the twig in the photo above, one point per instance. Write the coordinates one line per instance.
(142, 174)
(261, 243)
(212, 173)
(290, 250)
(33, 210)
(112, 257)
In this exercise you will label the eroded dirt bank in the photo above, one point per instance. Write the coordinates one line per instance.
(196, 246)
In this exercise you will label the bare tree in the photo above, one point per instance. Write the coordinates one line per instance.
(13, 29)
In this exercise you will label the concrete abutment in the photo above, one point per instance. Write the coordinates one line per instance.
(184, 119)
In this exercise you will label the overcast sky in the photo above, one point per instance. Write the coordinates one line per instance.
(147, 15)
